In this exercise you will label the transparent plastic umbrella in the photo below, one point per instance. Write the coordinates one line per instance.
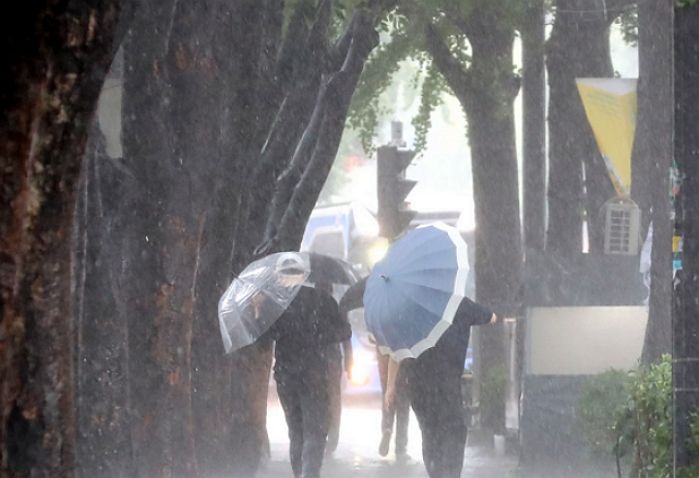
(258, 297)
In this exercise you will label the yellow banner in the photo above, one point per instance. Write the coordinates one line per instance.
(610, 105)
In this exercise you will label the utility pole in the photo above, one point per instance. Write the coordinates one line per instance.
(685, 367)
(392, 187)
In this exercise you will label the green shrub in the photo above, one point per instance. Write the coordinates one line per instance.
(604, 398)
(630, 414)
(492, 393)
(693, 472)
(648, 420)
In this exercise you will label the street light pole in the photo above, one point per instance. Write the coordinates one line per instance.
(686, 311)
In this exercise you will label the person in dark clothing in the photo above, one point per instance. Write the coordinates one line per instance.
(304, 338)
(434, 387)
(341, 360)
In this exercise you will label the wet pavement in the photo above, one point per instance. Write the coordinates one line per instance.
(357, 453)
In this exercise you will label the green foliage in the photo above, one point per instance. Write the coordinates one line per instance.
(693, 471)
(406, 27)
(492, 391)
(642, 426)
(628, 24)
(431, 96)
(603, 401)
(649, 419)
(686, 3)
(366, 111)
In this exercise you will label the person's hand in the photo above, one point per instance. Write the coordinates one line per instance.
(494, 319)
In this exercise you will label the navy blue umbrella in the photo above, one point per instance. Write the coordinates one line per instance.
(411, 296)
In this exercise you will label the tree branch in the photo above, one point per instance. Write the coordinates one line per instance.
(340, 89)
(458, 79)
(302, 156)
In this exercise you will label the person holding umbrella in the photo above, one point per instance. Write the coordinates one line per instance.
(306, 337)
(434, 388)
(273, 300)
(340, 359)
(416, 308)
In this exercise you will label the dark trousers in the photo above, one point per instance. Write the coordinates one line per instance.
(399, 413)
(304, 398)
(438, 409)
(335, 397)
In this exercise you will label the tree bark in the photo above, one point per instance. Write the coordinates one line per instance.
(487, 92)
(571, 142)
(534, 127)
(161, 238)
(103, 445)
(56, 57)
(652, 160)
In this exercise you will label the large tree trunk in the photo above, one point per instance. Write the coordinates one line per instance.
(571, 143)
(161, 126)
(534, 127)
(198, 141)
(496, 193)
(651, 165)
(487, 92)
(55, 61)
(103, 447)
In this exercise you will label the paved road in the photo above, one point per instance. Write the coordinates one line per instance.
(357, 455)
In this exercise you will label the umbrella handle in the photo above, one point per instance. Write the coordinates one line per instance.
(384, 277)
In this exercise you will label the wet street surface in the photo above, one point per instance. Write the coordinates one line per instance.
(357, 453)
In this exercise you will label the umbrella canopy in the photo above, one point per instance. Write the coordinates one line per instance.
(258, 296)
(412, 295)
(353, 297)
(330, 270)
(263, 291)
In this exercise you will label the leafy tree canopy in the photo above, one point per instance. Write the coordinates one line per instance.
(457, 23)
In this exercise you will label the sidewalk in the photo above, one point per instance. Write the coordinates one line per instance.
(357, 456)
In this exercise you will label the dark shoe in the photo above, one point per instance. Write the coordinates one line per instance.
(385, 443)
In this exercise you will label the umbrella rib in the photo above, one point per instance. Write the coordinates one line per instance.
(378, 332)
(409, 255)
(417, 271)
(422, 336)
(406, 266)
(402, 250)
(411, 299)
(450, 291)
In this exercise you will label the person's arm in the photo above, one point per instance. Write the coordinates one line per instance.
(475, 314)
